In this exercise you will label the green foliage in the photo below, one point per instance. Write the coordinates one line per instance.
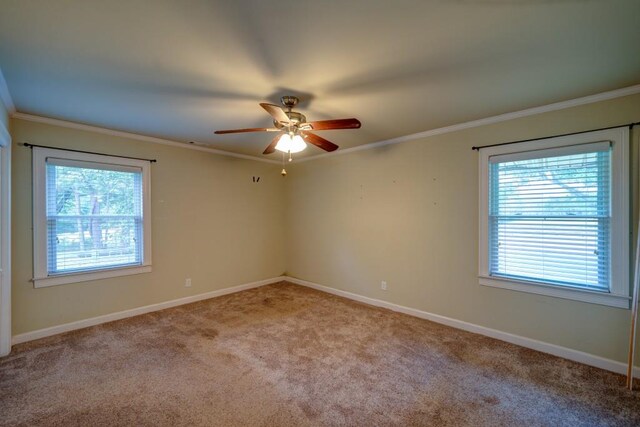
(566, 185)
(81, 191)
(93, 209)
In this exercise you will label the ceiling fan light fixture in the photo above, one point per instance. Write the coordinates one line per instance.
(289, 144)
(295, 128)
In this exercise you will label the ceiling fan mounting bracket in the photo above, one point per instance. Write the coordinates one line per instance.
(289, 101)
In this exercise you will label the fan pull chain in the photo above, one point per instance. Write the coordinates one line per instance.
(284, 171)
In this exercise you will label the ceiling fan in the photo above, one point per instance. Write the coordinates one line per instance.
(294, 130)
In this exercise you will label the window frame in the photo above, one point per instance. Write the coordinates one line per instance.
(618, 294)
(41, 277)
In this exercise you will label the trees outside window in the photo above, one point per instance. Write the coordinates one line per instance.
(554, 217)
(91, 216)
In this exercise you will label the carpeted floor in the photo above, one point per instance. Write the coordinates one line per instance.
(285, 355)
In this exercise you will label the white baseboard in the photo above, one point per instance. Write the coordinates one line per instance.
(556, 350)
(85, 323)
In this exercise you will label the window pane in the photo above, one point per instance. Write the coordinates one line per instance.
(94, 218)
(549, 220)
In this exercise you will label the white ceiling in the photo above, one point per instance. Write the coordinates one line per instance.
(181, 69)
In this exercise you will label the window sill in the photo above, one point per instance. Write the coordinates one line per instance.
(64, 279)
(594, 297)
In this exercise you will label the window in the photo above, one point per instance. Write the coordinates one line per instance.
(91, 217)
(555, 217)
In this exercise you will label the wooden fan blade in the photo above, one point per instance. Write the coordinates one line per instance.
(319, 141)
(276, 112)
(222, 132)
(272, 147)
(335, 124)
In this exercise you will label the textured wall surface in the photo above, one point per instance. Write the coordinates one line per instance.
(210, 223)
(408, 214)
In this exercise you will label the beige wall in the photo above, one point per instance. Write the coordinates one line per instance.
(210, 223)
(408, 214)
(404, 213)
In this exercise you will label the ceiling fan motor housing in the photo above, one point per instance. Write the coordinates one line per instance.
(295, 117)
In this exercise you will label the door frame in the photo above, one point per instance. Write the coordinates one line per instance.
(5, 241)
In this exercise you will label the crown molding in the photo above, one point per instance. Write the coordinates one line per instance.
(617, 93)
(5, 96)
(135, 136)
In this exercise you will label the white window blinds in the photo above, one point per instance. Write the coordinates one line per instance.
(550, 216)
(94, 216)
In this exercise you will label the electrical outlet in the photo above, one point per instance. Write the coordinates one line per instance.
(187, 283)
(383, 285)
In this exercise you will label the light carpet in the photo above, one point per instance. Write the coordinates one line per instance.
(285, 355)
